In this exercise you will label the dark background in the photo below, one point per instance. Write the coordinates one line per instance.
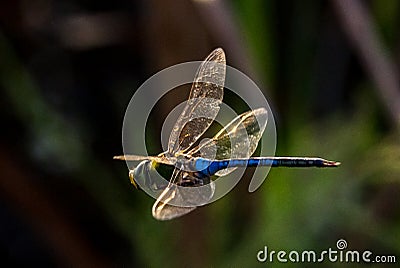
(69, 68)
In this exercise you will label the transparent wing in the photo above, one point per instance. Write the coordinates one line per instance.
(159, 159)
(239, 139)
(176, 201)
(201, 109)
(203, 104)
(162, 211)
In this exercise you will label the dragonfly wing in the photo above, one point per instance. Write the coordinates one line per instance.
(203, 104)
(167, 205)
(159, 159)
(163, 211)
(239, 139)
(200, 111)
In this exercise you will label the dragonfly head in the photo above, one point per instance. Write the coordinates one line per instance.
(142, 171)
(146, 174)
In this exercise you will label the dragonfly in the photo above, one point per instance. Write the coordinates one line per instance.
(195, 167)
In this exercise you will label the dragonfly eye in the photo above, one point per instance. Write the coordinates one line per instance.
(145, 176)
(132, 177)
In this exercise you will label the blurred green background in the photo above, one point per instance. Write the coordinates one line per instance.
(69, 68)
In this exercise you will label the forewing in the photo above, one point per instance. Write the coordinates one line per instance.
(239, 139)
(203, 104)
(158, 159)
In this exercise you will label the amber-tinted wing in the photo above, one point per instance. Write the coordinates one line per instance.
(158, 159)
(239, 139)
(176, 201)
(203, 104)
(199, 112)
